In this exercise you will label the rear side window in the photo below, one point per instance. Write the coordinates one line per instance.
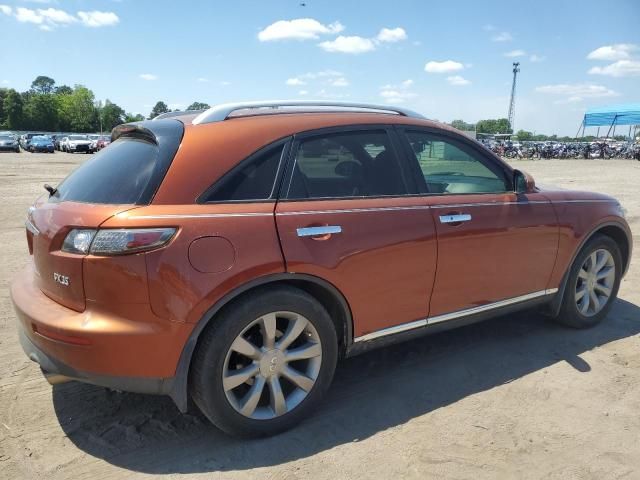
(346, 165)
(253, 179)
(119, 174)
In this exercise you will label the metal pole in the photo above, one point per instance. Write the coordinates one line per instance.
(579, 130)
(598, 132)
(611, 126)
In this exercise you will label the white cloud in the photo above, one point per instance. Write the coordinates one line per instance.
(619, 51)
(303, 92)
(407, 83)
(443, 67)
(396, 96)
(50, 18)
(202, 79)
(537, 58)
(295, 82)
(298, 29)
(26, 15)
(576, 92)
(353, 45)
(224, 83)
(621, 68)
(96, 19)
(515, 53)
(339, 82)
(56, 16)
(502, 37)
(148, 76)
(5, 82)
(458, 80)
(391, 35)
(321, 74)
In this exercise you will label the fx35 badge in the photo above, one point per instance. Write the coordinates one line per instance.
(61, 279)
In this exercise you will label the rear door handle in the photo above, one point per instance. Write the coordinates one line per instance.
(462, 217)
(319, 231)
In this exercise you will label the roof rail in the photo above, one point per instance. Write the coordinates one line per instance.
(219, 113)
(177, 113)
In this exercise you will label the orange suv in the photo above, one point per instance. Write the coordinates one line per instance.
(234, 255)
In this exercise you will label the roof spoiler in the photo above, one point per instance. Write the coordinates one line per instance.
(134, 130)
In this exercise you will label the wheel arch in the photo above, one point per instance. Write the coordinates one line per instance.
(323, 291)
(614, 230)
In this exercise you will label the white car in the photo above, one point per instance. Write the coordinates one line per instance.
(94, 142)
(76, 143)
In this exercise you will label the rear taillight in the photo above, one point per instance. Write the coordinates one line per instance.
(116, 241)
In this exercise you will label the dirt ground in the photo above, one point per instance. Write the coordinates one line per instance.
(514, 397)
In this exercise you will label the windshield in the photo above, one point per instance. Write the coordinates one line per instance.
(41, 139)
(78, 137)
(6, 137)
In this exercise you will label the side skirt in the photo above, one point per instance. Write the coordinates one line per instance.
(407, 331)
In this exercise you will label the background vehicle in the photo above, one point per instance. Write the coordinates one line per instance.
(9, 143)
(94, 142)
(76, 143)
(25, 140)
(334, 232)
(103, 142)
(41, 143)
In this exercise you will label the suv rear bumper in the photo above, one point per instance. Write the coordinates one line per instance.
(95, 346)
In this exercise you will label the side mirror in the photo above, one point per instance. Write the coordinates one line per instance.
(523, 182)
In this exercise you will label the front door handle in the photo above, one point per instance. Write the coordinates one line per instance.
(457, 218)
(323, 231)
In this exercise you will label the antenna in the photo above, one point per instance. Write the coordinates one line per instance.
(512, 102)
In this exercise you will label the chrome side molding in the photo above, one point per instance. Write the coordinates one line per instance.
(453, 315)
(318, 231)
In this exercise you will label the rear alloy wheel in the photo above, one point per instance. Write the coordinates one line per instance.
(264, 362)
(272, 365)
(593, 283)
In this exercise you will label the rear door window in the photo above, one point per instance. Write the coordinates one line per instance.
(346, 165)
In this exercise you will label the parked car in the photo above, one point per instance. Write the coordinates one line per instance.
(25, 140)
(8, 143)
(42, 143)
(103, 142)
(76, 143)
(94, 142)
(239, 277)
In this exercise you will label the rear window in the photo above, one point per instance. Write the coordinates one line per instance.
(117, 175)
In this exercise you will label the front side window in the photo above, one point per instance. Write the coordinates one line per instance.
(447, 168)
(346, 165)
(253, 179)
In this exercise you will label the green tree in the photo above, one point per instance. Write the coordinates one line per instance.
(41, 112)
(198, 106)
(462, 125)
(500, 125)
(524, 135)
(111, 115)
(13, 107)
(82, 113)
(64, 90)
(3, 114)
(43, 84)
(159, 108)
(130, 117)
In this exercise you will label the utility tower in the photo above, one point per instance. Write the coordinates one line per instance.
(512, 102)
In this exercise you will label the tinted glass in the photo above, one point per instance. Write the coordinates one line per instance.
(354, 164)
(116, 175)
(449, 169)
(252, 180)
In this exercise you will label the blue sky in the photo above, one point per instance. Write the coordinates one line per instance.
(447, 60)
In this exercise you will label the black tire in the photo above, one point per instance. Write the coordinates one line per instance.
(208, 361)
(569, 314)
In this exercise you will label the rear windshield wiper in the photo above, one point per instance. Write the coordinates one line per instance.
(52, 191)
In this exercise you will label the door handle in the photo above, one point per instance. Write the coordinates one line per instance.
(323, 231)
(457, 218)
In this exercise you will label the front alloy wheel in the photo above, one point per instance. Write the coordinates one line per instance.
(595, 282)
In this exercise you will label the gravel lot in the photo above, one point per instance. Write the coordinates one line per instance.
(514, 397)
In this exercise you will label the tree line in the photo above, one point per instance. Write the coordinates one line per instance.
(60, 108)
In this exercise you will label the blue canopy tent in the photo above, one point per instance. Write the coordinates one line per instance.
(611, 116)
